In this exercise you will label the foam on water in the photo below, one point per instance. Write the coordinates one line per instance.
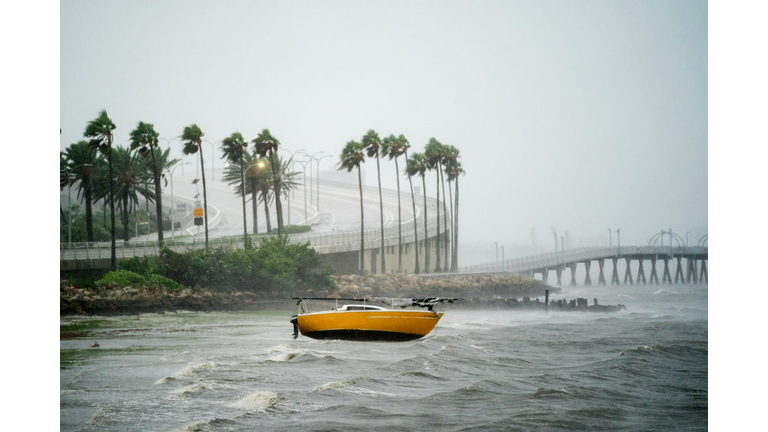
(198, 426)
(260, 400)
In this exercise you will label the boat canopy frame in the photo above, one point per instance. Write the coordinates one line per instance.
(428, 302)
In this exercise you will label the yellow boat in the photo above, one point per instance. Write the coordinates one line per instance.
(365, 322)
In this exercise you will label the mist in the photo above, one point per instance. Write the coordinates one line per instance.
(572, 118)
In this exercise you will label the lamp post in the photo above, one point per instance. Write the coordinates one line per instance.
(311, 175)
(213, 167)
(69, 199)
(317, 203)
(304, 179)
(497, 255)
(181, 150)
(173, 204)
(618, 233)
(502, 257)
(610, 238)
(293, 192)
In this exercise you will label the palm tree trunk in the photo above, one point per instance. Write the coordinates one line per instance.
(445, 217)
(88, 196)
(426, 228)
(362, 223)
(158, 199)
(113, 257)
(437, 232)
(255, 208)
(415, 224)
(455, 262)
(205, 193)
(278, 204)
(399, 224)
(124, 218)
(453, 244)
(242, 194)
(266, 211)
(381, 215)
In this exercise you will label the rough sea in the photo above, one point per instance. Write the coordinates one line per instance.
(644, 368)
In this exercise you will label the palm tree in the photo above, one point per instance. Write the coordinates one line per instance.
(433, 152)
(417, 164)
(234, 148)
(266, 144)
(454, 171)
(404, 146)
(444, 153)
(450, 159)
(145, 139)
(372, 144)
(392, 147)
(99, 130)
(131, 180)
(81, 160)
(234, 175)
(351, 157)
(192, 138)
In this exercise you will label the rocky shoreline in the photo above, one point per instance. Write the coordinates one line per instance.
(476, 291)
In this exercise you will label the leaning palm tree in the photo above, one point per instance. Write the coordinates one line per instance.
(433, 152)
(372, 145)
(145, 139)
(234, 148)
(234, 175)
(404, 146)
(454, 171)
(450, 155)
(131, 180)
(81, 160)
(99, 130)
(392, 147)
(192, 138)
(266, 144)
(417, 164)
(351, 157)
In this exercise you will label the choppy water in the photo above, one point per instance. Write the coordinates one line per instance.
(641, 369)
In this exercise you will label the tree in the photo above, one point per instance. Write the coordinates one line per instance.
(450, 159)
(99, 130)
(145, 139)
(393, 147)
(234, 148)
(417, 165)
(81, 160)
(267, 145)
(132, 179)
(404, 146)
(351, 157)
(372, 145)
(234, 175)
(433, 153)
(454, 171)
(192, 138)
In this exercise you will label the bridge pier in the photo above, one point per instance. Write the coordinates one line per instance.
(573, 274)
(628, 273)
(691, 269)
(601, 278)
(641, 273)
(679, 272)
(654, 276)
(559, 272)
(666, 278)
(704, 276)
(587, 279)
(615, 274)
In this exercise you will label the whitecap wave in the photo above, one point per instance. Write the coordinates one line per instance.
(198, 426)
(333, 385)
(194, 368)
(190, 389)
(258, 401)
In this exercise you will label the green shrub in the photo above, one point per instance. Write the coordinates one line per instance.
(164, 282)
(122, 278)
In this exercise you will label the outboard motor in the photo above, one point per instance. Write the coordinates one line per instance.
(295, 322)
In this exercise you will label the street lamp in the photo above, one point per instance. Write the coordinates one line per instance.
(173, 204)
(618, 233)
(293, 192)
(69, 199)
(304, 179)
(311, 175)
(213, 165)
(181, 150)
(610, 238)
(502, 257)
(318, 180)
(497, 255)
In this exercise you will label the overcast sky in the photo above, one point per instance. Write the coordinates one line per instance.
(570, 115)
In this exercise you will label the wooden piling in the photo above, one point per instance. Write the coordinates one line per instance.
(546, 300)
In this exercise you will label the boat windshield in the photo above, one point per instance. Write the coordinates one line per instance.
(360, 308)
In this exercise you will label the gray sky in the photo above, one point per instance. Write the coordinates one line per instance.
(578, 116)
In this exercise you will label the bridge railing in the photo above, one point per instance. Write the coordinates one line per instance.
(559, 259)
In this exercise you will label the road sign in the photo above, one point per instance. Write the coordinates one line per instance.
(198, 212)
(198, 221)
(181, 208)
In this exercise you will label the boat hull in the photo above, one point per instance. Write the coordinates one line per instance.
(390, 325)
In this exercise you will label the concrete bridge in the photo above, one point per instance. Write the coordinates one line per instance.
(690, 264)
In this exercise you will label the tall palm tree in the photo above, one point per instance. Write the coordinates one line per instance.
(99, 130)
(372, 145)
(392, 147)
(81, 160)
(404, 146)
(454, 171)
(234, 175)
(266, 144)
(351, 157)
(192, 138)
(131, 180)
(417, 164)
(145, 139)
(234, 148)
(445, 151)
(450, 160)
(434, 152)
